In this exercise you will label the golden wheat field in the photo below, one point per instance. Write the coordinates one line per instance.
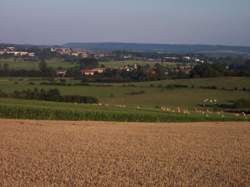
(43, 153)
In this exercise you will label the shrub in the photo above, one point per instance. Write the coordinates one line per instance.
(242, 103)
(49, 95)
(172, 86)
(136, 92)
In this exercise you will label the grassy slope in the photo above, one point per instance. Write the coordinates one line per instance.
(57, 62)
(220, 82)
(153, 96)
(29, 65)
(117, 94)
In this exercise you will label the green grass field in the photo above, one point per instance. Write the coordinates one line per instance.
(20, 64)
(118, 94)
(151, 95)
(117, 103)
(220, 82)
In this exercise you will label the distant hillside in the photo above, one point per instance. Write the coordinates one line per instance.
(171, 48)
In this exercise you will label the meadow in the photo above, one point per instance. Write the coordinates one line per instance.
(59, 153)
(150, 94)
(20, 64)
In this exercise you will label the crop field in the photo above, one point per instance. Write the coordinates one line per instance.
(56, 153)
(43, 110)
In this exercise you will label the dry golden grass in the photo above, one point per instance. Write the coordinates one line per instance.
(42, 153)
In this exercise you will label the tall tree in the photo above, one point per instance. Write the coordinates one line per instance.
(6, 67)
(43, 66)
(89, 63)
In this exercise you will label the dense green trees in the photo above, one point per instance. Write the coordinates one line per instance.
(44, 71)
(88, 63)
(43, 66)
(49, 95)
(208, 70)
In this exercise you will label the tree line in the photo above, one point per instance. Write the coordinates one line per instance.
(49, 95)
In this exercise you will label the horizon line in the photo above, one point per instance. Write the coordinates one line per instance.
(136, 43)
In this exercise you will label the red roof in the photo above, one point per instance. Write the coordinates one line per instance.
(92, 70)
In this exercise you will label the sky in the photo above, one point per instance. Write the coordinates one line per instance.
(51, 22)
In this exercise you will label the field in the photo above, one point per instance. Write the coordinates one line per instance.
(154, 93)
(56, 153)
(20, 64)
(136, 101)
(41, 110)
(126, 101)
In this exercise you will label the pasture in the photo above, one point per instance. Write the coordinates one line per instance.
(55, 63)
(58, 153)
(150, 94)
(145, 102)
(20, 64)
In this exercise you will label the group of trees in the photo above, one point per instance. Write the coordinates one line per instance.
(88, 63)
(208, 70)
(221, 69)
(242, 69)
(43, 71)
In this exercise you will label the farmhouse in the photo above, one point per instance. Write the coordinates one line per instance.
(183, 69)
(92, 71)
(61, 73)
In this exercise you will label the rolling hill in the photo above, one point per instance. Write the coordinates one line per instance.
(170, 48)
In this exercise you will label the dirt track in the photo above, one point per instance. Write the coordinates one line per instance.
(58, 153)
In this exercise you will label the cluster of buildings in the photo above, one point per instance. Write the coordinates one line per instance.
(183, 69)
(13, 51)
(84, 71)
(80, 53)
(184, 59)
(94, 71)
(174, 59)
(127, 68)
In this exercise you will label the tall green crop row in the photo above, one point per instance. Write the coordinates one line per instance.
(23, 112)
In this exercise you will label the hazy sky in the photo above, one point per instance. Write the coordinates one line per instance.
(147, 21)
